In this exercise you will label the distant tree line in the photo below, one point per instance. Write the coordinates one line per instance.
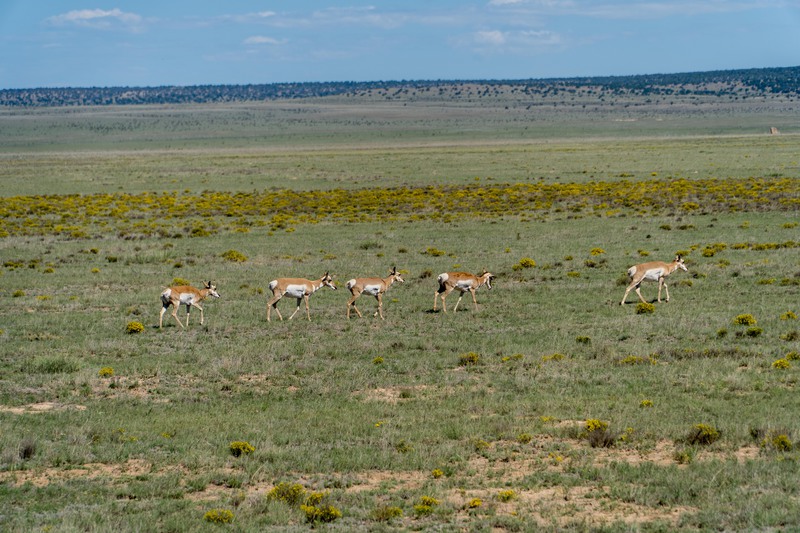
(752, 82)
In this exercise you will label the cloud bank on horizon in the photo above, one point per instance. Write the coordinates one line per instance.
(56, 43)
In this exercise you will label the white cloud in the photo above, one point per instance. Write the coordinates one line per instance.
(514, 42)
(246, 18)
(359, 16)
(97, 19)
(635, 9)
(260, 39)
(492, 38)
(541, 4)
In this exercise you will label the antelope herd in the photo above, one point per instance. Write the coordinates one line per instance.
(301, 289)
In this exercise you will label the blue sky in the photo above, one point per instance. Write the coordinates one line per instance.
(60, 43)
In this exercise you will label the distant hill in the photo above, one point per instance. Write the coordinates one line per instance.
(748, 83)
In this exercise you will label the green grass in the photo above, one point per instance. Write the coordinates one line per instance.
(366, 409)
(456, 162)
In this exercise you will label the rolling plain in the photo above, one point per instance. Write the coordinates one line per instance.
(550, 407)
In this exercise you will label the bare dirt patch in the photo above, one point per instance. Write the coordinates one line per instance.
(387, 480)
(41, 407)
(140, 387)
(565, 505)
(391, 395)
(253, 378)
(42, 478)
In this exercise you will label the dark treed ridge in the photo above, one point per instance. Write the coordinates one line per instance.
(745, 83)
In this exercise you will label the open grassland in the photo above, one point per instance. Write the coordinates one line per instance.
(551, 407)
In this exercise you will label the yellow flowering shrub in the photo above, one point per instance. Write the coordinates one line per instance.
(429, 500)
(744, 320)
(525, 262)
(506, 495)
(386, 513)
(173, 214)
(469, 359)
(324, 514)
(219, 516)
(474, 503)
(134, 327)
(239, 448)
(703, 434)
(234, 257)
(594, 424)
(291, 494)
(644, 308)
(780, 442)
(781, 364)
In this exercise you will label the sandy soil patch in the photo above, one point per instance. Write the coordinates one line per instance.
(391, 394)
(41, 407)
(565, 506)
(384, 479)
(42, 478)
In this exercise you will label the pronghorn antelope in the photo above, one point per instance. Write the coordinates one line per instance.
(652, 271)
(463, 282)
(188, 296)
(373, 286)
(299, 288)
